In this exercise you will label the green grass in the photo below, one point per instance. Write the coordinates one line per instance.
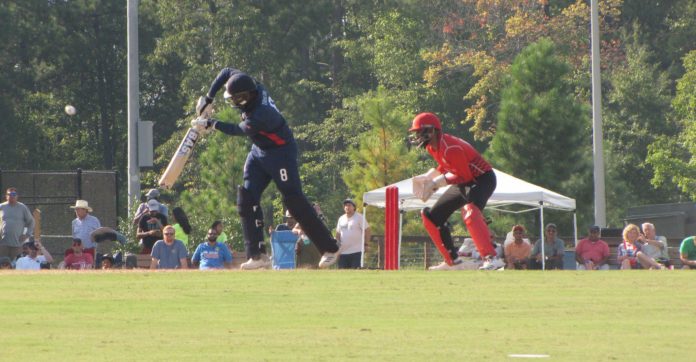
(347, 315)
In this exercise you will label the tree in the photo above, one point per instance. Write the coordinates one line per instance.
(540, 124)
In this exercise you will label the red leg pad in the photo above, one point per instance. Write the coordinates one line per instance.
(434, 233)
(476, 224)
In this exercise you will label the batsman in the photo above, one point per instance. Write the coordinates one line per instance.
(473, 182)
(273, 157)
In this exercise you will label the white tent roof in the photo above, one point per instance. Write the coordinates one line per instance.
(510, 190)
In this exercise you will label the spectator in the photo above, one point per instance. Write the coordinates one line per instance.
(629, 247)
(468, 252)
(31, 259)
(653, 253)
(14, 219)
(687, 252)
(211, 254)
(592, 253)
(496, 246)
(349, 233)
(181, 225)
(83, 225)
(150, 227)
(169, 253)
(78, 259)
(5, 263)
(554, 250)
(517, 252)
(152, 194)
(306, 253)
(107, 262)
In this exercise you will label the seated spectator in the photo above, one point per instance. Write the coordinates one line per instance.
(169, 253)
(78, 259)
(306, 253)
(517, 252)
(470, 255)
(211, 254)
(5, 262)
(653, 253)
(509, 238)
(107, 262)
(629, 247)
(554, 250)
(592, 253)
(31, 259)
(687, 252)
(150, 227)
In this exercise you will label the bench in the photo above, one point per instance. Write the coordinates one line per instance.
(142, 261)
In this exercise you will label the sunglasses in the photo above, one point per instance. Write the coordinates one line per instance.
(168, 233)
(12, 194)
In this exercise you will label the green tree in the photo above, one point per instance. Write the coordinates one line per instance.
(636, 112)
(672, 158)
(540, 130)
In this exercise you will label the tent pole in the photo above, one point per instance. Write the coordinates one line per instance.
(543, 236)
(362, 248)
(575, 233)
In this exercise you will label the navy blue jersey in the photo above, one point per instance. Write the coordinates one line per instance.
(261, 120)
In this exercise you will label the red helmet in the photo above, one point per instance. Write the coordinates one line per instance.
(425, 120)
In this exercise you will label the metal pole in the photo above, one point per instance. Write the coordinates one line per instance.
(597, 135)
(133, 105)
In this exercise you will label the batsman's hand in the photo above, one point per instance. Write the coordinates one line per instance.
(203, 123)
(203, 104)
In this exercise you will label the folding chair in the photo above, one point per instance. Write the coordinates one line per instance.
(283, 248)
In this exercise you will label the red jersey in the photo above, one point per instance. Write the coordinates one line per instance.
(458, 157)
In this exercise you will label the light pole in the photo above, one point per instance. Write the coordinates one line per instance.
(597, 135)
(133, 104)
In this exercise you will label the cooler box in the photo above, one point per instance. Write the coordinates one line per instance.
(283, 249)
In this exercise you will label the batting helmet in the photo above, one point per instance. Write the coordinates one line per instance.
(240, 90)
(424, 127)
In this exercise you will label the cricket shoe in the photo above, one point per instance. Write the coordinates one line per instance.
(457, 264)
(492, 263)
(329, 259)
(260, 262)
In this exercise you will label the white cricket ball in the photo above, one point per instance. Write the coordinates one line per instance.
(70, 110)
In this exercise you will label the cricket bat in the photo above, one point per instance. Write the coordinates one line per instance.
(37, 224)
(183, 152)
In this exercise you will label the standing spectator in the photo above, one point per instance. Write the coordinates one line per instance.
(152, 194)
(273, 157)
(31, 259)
(687, 252)
(169, 253)
(150, 227)
(78, 259)
(626, 252)
(83, 225)
(554, 250)
(211, 254)
(592, 253)
(15, 217)
(181, 225)
(349, 233)
(653, 253)
(517, 252)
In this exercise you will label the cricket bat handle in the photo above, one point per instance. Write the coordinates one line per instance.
(181, 156)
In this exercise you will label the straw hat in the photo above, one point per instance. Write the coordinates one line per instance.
(82, 204)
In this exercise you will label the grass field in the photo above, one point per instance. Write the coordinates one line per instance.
(347, 315)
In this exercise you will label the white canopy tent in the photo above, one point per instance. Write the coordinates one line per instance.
(509, 191)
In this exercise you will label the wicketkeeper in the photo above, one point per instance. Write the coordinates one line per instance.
(473, 182)
(273, 156)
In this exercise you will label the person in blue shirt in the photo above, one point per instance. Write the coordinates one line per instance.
(273, 157)
(211, 254)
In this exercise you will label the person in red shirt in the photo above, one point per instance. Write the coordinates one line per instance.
(592, 253)
(78, 259)
(472, 183)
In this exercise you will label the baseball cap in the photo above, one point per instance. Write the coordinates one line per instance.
(30, 245)
(551, 226)
(152, 194)
(349, 201)
(595, 228)
(153, 205)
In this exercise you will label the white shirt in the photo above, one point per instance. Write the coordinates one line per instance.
(350, 230)
(27, 263)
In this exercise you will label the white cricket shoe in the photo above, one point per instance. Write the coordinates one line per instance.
(493, 263)
(457, 264)
(329, 259)
(261, 262)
